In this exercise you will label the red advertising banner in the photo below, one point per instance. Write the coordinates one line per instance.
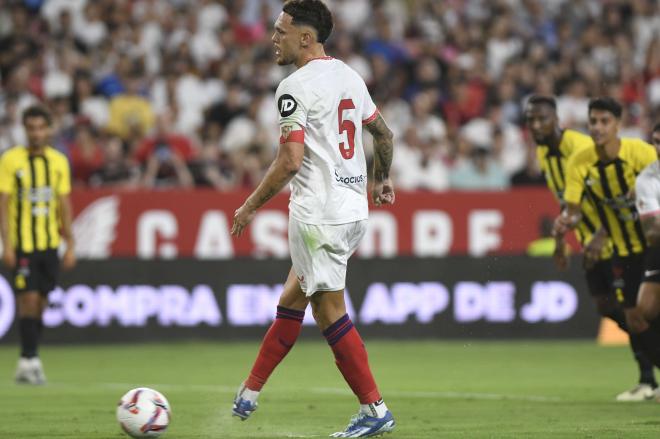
(172, 224)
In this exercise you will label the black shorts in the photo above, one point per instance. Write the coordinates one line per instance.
(652, 265)
(628, 274)
(600, 278)
(37, 271)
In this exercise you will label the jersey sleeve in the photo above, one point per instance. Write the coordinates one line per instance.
(574, 181)
(646, 198)
(6, 175)
(292, 104)
(647, 155)
(369, 109)
(64, 182)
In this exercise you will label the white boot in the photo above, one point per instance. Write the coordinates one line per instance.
(23, 371)
(38, 371)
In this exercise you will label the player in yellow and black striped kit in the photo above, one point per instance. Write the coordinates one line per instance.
(35, 215)
(554, 146)
(606, 172)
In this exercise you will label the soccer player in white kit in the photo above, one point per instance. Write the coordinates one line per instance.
(323, 106)
(647, 197)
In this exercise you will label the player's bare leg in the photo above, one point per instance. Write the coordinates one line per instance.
(649, 300)
(644, 390)
(648, 330)
(30, 309)
(277, 343)
(374, 418)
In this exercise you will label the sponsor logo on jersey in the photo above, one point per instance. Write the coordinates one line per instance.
(353, 179)
(286, 105)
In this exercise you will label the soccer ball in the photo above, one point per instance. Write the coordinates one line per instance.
(143, 412)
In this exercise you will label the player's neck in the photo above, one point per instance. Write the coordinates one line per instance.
(314, 52)
(36, 150)
(609, 151)
(555, 140)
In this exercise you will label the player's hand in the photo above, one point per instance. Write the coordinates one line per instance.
(560, 255)
(242, 218)
(383, 192)
(560, 226)
(9, 257)
(593, 250)
(68, 259)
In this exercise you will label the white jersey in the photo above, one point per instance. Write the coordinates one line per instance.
(647, 190)
(330, 102)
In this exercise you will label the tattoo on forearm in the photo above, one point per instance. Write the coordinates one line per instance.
(383, 148)
(272, 183)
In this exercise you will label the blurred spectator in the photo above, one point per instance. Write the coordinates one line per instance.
(85, 154)
(531, 174)
(117, 172)
(419, 164)
(478, 171)
(164, 156)
(131, 115)
(455, 72)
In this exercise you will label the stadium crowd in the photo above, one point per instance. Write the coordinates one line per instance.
(180, 93)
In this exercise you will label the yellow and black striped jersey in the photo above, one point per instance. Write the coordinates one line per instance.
(34, 184)
(611, 185)
(553, 164)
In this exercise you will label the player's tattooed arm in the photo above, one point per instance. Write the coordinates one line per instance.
(383, 147)
(286, 164)
(651, 228)
(383, 189)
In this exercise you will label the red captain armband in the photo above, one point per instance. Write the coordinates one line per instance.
(297, 136)
(371, 118)
(650, 214)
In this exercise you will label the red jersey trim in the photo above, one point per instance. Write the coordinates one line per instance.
(371, 118)
(321, 57)
(297, 136)
(648, 214)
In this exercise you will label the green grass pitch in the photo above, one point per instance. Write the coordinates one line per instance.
(435, 390)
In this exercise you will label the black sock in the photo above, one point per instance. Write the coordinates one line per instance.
(28, 328)
(650, 340)
(646, 374)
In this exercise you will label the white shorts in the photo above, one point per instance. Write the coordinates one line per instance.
(319, 253)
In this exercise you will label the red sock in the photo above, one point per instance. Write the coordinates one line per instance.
(277, 342)
(351, 359)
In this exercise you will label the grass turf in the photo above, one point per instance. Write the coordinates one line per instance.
(434, 389)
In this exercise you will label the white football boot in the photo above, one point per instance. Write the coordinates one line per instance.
(641, 392)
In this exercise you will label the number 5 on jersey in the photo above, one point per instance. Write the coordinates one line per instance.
(348, 126)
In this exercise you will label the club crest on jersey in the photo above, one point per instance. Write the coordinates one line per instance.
(287, 105)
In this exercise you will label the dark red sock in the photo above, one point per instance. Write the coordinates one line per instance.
(351, 359)
(277, 342)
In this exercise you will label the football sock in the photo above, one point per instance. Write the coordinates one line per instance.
(650, 340)
(250, 395)
(646, 375)
(351, 359)
(376, 409)
(28, 329)
(277, 342)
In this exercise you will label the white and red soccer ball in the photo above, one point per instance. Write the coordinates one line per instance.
(143, 412)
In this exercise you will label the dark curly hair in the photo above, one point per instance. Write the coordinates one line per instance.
(312, 13)
(37, 111)
(606, 104)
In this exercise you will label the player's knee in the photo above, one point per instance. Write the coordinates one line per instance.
(636, 321)
(29, 305)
